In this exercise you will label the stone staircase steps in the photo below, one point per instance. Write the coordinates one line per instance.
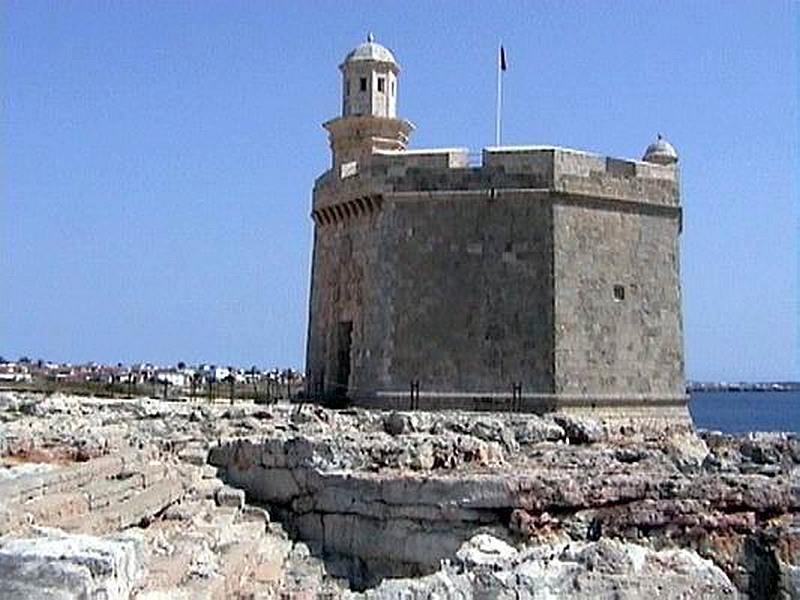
(67, 479)
(139, 506)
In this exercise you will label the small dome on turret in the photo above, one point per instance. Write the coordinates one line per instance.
(370, 50)
(660, 152)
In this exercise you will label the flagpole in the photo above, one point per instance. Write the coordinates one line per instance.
(499, 93)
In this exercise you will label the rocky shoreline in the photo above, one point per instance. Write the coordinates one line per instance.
(153, 499)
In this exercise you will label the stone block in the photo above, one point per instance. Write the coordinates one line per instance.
(396, 423)
(195, 455)
(207, 488)
(208, 472)
(255, 513)
(70, 566)
(579, 431)
(229, 496)
(130, 511)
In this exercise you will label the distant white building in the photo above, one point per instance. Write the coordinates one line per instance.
(213, 373)
(174, 378)
(15, 372)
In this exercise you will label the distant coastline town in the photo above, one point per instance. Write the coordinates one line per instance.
(743, 386)
(179, 381)
(209, 380)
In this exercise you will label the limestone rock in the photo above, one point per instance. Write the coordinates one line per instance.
(485, 550)
(70, 566)
(687, 451)
(579, 430)
(396, 423)
(207, 488)
(228, 496)
(255, 513)
(531, 430)
(195, 454)
(596, 570)
(383, 494)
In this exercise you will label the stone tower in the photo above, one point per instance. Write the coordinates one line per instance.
(541, 279)
(369, 108)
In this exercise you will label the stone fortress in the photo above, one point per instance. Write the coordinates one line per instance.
(543, 279)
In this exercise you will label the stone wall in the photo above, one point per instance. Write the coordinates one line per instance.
(348, 286)
(471, 299)
(607, 345)
(472, 280)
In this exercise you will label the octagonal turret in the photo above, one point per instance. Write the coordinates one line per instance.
(369, 81)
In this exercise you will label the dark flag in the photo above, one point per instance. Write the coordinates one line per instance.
(503, 66)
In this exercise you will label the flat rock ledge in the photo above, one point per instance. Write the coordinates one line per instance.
(151, 499)
(59, 565)
(486, 567)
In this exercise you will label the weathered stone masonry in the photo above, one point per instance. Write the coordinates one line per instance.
(543, 278)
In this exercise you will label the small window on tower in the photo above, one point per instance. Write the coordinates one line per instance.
(380, 84)
(619, 293)
(393, 88)
(347, 88)
(363, 84)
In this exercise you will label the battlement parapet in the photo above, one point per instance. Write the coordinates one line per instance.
(560, 170)
(398, 162)
(556, 161)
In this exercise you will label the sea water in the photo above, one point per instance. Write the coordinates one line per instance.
(739, 412)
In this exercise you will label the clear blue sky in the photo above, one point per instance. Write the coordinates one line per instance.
(158, 157)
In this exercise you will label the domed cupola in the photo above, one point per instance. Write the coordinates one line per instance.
(368, 122)
(660, 152)
(369, 80)
(370, 50)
